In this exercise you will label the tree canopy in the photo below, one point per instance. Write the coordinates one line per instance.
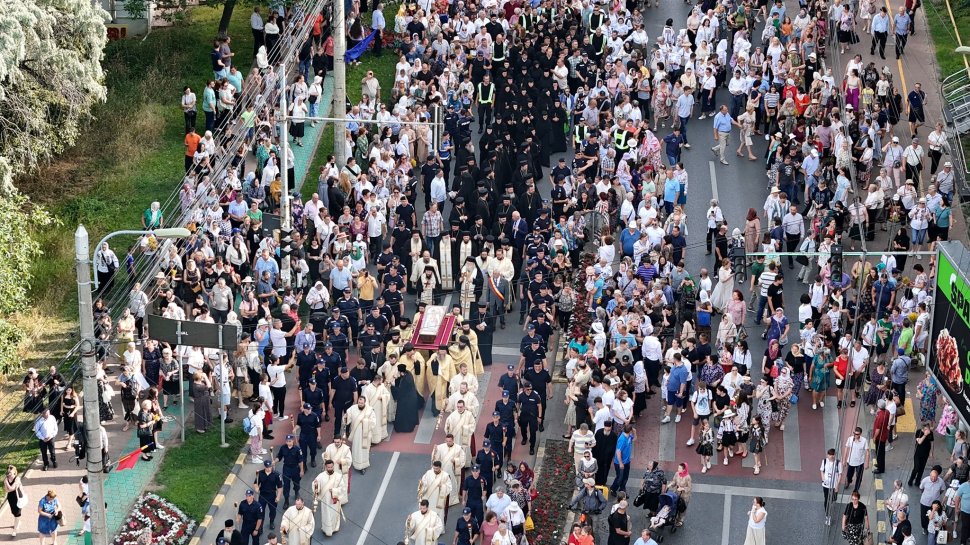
(50, 77)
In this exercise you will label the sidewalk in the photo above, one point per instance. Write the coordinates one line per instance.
(121, 489)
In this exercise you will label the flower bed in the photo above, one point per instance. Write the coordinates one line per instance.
(169, 525)
(555, 483)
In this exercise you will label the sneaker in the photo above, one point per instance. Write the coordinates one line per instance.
(687, 146)
(690, 442)
(708, 465)
(255, 460)
(262, 451)
(814, 407)
(821, 404)
(828, 520)
(666, 419)
(725, 461)
(243, 406)
(159, 446)
(677, 419)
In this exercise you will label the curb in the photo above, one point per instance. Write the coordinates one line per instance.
(219, 499)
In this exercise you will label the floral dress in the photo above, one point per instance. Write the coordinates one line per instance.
(783, 388)
(928, 393)
(820, 374)
(874, 393)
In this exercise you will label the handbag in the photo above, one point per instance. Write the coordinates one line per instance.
(22, 500)
(942, 536)
(801, 260)
(529, 524)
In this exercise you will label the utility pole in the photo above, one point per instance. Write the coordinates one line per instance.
(339, 82)
(89, 362)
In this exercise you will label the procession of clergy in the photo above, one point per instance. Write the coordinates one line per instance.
(451, 376)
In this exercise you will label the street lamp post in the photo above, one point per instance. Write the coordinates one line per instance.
(89, 362)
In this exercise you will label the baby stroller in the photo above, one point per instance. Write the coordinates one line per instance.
(667, 509)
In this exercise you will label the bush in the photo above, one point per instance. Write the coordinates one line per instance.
(11, 339)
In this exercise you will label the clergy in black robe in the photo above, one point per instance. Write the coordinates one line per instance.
(408, 402)
(544, 133)
(558, 117)
(484, 327)
(603, 452)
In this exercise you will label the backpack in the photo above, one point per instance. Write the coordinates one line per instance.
(247, 425)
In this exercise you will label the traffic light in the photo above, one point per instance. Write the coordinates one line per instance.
(739, 262)
(835, 262)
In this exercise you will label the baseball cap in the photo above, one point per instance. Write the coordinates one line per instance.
(267, 463)
(250, 492)
(307, 406)
(466, 511)
(505, 393)
(290, 438)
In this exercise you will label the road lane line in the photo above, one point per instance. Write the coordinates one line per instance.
(770, 493)
(726, 523)
(713, 181)
(830, 420)
(365, 531)
(793, 450)
(668, 440)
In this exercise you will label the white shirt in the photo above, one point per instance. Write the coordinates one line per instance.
(858, 359)
(857, 451)
(701, 402)
(830, 470)
(277, 376)
(601, 416)
(652, 349)
(622, 410)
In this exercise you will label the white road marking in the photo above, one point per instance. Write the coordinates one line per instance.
(365, 531)
(726, 523)
(713, 180)
(771, 493)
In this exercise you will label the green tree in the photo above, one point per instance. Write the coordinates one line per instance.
(50, 76)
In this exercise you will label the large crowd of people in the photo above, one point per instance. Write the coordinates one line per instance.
(557, 191)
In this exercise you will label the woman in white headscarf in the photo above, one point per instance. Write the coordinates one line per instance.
(599, 340)
(262, 59)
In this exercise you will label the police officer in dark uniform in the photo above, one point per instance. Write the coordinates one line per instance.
(336, 318)
(378, 320)
(507, 409)
(368, 341)
(339, 341)
(539, 378)
(533, 351)
(509, 382)
(306, 359)
(332, 360)
(344, 395)
(308, 424)
(249, 516)
(530, 415)
(467, 528)
(475, 493)
(350, 307)
(269, 485)
(490, 462)
(293, 468)
(497, 433)
(314, 395)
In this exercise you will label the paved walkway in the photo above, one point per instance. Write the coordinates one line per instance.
(120, 490)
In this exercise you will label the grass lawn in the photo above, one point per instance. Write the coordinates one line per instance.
(192, 473)
(130, 154)
(943, 34)
(383, 68)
